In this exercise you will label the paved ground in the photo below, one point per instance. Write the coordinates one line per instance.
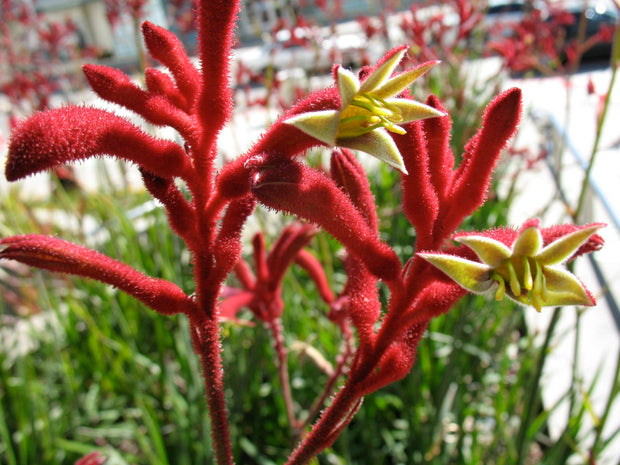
(599, 330)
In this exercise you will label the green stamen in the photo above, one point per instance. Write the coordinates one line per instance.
(381, 113)
(540, 283)
(515, 286)
(501, 289)
(527, 274)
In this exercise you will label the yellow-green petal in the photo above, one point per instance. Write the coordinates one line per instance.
(323, 125)
(382, 73)
(378, 144)
(473, 276)
(528, 243)
(489, 250)
(348, 86)
(564, 288)
(399, 83)
(410, 110)
(562, 248)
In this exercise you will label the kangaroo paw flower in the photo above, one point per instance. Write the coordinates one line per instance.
(53, 254)
(525, 269)
(72, 133)
(369, 111)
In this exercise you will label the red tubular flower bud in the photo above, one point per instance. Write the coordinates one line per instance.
(472, 178)
(440, 158)
(215, 40)
(291, 187)
(316, 272)
(260, 257)
(159, 83)
(397, 361)
(53, 254)
(420, 202)
(74, 133)
(116, 87)
(351, 178)
(292, 239)
(244, 274)
(166, 47)
(363, 306)
(181, 215)
(227, 244)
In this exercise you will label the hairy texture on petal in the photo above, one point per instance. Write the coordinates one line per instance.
(69, 134)
(114, 86)
(397, 362)
(420, 202)
(472, 178)
(363, 306)
(165, 47)
(350, 176)
(292, 187)
(53, 254)
(436, 299)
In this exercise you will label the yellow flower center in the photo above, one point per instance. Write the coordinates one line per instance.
(525, 277)
(366, 113)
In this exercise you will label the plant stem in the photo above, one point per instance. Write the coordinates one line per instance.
(342, 363)
(613, 395)
(326, 430)
(615, 62)
(205, 337)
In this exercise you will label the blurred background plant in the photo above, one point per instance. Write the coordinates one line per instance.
(84, 367)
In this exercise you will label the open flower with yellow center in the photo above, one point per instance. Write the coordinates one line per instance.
(369, 111)
(526, 271)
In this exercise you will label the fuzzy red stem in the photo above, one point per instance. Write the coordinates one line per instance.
(206, 341)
